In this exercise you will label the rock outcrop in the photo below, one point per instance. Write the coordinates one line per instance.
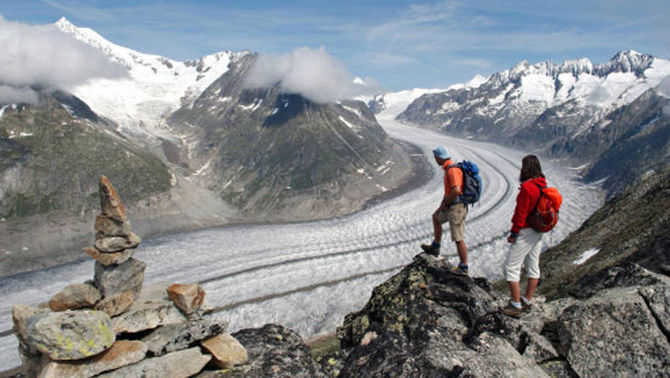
(426, 321)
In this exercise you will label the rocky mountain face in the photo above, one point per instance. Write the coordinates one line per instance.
(629, 229)
(282, 157)
(51, 156)
(577, 111)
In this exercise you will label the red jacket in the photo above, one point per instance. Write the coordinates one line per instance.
(526, 200)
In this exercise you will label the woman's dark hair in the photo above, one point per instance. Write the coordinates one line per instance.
(530, 168)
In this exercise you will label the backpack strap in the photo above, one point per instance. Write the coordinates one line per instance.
(539, 197)
(459, 199)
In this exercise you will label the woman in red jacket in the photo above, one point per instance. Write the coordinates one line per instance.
(525, 243)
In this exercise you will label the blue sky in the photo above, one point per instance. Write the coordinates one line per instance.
(401, 44)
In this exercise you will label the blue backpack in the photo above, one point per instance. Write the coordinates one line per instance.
(472, 183)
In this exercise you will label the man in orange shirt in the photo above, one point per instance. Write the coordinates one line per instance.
(451, 209)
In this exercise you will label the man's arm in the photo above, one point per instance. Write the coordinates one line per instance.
(451, 197)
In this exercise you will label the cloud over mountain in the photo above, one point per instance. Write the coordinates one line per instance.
(312, 73)
(43, 56)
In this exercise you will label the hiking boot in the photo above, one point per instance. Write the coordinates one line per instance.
(526, 307)
(460, 269)
(511, 310)
(431, 249)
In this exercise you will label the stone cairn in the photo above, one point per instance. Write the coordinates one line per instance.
(112, 326)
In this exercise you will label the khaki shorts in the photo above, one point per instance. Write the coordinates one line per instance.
(455, 214)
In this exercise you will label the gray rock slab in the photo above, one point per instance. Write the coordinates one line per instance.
(75, 296)
(226, 351)
(152, 309)
(116, 304)
(538, 348)
(181, 364)
(495, 357)
(111, 227)
(658, 300)
(70, 335)
(614, 334)
(122, 353)
(173, 337)
(113, 279)
(114, 258)
(111, 244)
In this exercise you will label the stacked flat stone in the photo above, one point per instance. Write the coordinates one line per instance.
(118, 275)
(113, 327)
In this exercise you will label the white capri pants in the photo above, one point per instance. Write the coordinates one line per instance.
(526, 249)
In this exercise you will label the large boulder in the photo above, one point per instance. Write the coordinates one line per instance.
(427, 321)
(20, 315)
(424, 294)
(70, 335)
(614, 333)
(274, 351)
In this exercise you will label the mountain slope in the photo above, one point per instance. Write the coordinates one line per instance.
(281, 156)
(51, 158)
(629, 228)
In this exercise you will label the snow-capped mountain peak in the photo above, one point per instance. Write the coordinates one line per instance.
(156, 87)
(65, 25)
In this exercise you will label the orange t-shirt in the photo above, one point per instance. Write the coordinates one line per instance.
(452, 177)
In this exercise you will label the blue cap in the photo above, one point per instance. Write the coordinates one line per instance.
(441, 152)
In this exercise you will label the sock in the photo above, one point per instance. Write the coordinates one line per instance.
(526, 301)
(515, 304)
(435, 244)
(461, 265)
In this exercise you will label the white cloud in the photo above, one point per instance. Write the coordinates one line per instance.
(43, 56)
(312, 73)
(664, 89)
(475, 62)
(24, 95)
(664, 86)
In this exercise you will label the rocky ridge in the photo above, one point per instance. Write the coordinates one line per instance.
(608, 117)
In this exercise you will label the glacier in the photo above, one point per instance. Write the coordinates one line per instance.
(308, 276)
